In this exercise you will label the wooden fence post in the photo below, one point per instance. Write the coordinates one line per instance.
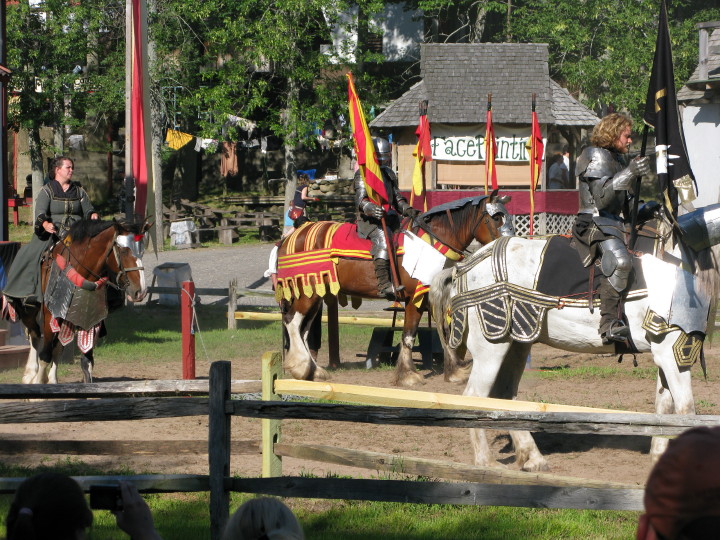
(187, 302)
(271, 370)
(232, 304)
(219, 447)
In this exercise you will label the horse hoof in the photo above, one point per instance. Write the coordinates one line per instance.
(320, 375)
(410, 379)
(536, 465)
(459, 377)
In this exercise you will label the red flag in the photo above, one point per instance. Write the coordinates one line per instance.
(139, 120)
(490, 152)
(536, 159)
(422, 153)
(364, 149)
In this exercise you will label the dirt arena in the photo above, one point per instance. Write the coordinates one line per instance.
(613, 458)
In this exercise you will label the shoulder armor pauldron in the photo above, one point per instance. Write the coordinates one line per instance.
(597, 162)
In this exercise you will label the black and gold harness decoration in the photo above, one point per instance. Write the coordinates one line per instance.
(687, 348)
(507, 309)
(502, 308)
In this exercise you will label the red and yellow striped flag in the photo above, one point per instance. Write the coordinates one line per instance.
(490, 152)
(364, 149)
(422, 153)
(536, 158)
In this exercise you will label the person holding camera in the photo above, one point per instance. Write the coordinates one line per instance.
(52, 506)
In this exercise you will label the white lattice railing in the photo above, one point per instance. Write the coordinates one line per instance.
(544, 224)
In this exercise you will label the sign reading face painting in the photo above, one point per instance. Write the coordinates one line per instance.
(467, 143)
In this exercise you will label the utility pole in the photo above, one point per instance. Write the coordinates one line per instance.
(129, 181)
(4, 82)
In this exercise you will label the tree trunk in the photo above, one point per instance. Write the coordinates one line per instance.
(156, 233)
(289, 148)
(36, 162)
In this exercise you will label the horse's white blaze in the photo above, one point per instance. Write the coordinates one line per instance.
(139, 294)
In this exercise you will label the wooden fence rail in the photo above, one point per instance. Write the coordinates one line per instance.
(214, 398)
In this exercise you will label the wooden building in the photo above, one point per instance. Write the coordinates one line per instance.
(456, 81)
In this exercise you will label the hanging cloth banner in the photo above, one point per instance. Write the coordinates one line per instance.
(177, 139)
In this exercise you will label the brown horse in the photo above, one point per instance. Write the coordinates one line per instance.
(452, 227)
(94, 254)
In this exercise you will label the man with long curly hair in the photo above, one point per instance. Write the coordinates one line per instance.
(606, 186)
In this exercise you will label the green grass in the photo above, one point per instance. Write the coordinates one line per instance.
(594, 372)
(181, 516)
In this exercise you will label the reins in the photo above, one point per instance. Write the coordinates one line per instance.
(484, 218)
(112, 249)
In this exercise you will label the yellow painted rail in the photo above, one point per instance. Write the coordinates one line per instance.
(394, 397)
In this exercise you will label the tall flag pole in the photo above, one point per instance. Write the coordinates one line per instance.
(364, 149)
(536, 158)
(370, 171)
(661, 113)
(490, 149)
(422, 153)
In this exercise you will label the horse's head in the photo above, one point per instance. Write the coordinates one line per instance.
(496, 220)
(126, 258)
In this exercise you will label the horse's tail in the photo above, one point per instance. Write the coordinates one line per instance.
(439, 297)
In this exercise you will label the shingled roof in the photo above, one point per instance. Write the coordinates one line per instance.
(457, 77)
(698, 87)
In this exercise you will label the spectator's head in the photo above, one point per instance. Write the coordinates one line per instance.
(565, 150)
(682, 495)
(48, 506)
(557, 158)
(303, 179)
(610, 129)
(263, 518)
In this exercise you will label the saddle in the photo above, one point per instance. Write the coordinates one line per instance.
(575, 280)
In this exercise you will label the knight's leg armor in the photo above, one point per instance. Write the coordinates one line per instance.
(381, 261)
(616, 265)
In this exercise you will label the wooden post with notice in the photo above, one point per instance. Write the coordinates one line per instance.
(187, 300)
(271, 370)
(219, 448)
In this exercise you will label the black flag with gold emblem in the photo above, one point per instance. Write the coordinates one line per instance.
(662, 114)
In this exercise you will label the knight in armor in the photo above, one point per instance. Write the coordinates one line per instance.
(369, 215)
(606, 183)
(60, 203)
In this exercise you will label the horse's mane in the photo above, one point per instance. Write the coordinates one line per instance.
(463, 206)
(88, 228)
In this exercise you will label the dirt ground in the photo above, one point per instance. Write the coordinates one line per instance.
(613, 458)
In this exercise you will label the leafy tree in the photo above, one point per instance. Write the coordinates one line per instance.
(603, 51)
(48, 51)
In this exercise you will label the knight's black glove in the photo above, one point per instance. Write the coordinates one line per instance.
(410, 212)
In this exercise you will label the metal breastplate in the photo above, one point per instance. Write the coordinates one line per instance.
(594, 167)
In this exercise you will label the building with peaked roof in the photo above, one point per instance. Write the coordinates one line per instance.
(456, 81)
(700, 98)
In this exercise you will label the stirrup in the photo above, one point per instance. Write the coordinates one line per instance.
(390, 293)
(618, 331)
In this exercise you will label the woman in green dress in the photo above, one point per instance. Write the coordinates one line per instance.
(60, 203)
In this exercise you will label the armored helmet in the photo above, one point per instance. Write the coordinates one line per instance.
(383, 149)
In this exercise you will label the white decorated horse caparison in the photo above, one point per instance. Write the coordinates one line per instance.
(490, 305)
